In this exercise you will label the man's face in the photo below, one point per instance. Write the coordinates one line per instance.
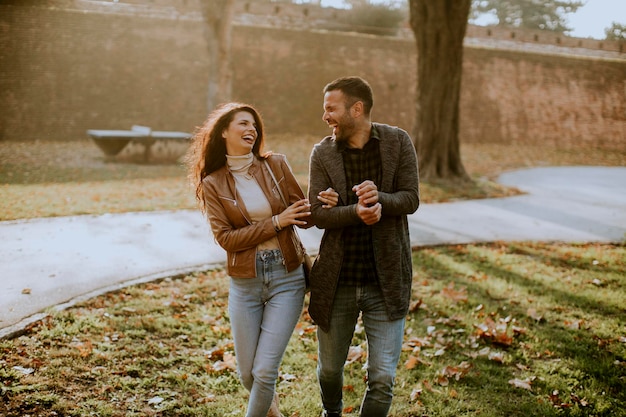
(337, 116)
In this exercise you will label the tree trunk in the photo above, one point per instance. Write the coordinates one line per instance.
(439, 27)
(218, 17)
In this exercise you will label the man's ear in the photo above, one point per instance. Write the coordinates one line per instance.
(357, 109)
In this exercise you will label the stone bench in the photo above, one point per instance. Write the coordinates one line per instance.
(160, 144)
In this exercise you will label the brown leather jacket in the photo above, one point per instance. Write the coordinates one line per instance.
(230, 221)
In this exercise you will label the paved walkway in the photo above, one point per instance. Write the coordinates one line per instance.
(56, 262)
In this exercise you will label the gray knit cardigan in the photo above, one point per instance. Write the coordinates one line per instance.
(399, 196)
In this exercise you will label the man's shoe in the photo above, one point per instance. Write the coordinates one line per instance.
(330, 414)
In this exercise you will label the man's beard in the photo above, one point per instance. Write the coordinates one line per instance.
(344, 129)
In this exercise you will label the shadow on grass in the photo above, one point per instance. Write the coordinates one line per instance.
(574, 368)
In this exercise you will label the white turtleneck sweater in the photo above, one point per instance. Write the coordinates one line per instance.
(251, 193)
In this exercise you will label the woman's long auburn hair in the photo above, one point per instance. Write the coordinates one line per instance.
(207, 152)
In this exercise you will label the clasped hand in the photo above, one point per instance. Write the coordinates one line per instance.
(293, 213)
(368, 207)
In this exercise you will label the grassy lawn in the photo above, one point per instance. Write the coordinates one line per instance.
(499, 329)
(495, 330)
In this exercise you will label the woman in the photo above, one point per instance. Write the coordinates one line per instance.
(249, 220)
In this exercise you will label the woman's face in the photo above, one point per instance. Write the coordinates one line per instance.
(240, 134)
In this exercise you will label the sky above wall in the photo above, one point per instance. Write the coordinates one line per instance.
(588, 22)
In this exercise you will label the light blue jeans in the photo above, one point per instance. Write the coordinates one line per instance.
(384, 343)
(263, 313)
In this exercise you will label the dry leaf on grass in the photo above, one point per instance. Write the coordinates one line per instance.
(227, 364)
(518, 383)
(459, 296)
(356, 353)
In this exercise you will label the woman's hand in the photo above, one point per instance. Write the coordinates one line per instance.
(329, 197)
(293, 213)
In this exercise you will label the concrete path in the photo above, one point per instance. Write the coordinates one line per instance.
(56, 262)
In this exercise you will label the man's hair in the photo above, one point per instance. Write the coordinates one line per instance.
(355, 89)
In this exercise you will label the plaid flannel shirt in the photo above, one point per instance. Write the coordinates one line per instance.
(360, 165)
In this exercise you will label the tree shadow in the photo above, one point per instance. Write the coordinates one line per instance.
(582, 359)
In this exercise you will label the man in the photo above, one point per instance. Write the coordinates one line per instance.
(363, 182)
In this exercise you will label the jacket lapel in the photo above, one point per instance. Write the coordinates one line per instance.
(389, 165)
(333, 162)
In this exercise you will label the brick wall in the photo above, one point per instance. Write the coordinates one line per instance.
(66, 70)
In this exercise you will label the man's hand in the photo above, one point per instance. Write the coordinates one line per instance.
(367, 192)
(369, 215)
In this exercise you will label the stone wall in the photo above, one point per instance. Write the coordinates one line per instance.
(64, 70)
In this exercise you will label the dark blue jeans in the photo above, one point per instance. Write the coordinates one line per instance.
(384, 344)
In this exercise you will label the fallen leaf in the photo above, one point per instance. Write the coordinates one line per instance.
(429, 387)
(532, 313)
(457, 372)
(26, 291)
(209, 398)
(155, 400)
(414, 342)
(494, 332)
(355, 354)
(228, 363)
(554, 398)
(484, 351)
(415, 306)
(501, 338)
(521, 384)
(305, 328)
(85, 348)
(455, 295)
(496, 357)
(518, 330)
(577, 400)
(416, 392)
(24, 371)
(574, 324)
(411, 362)
(288, 377)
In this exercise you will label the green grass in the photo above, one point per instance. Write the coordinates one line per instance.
(499, 329)
(520, 329)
